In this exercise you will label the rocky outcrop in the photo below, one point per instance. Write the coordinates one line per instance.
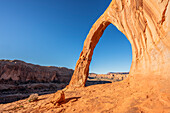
(58, 97)
(21, 72)
(146, 25)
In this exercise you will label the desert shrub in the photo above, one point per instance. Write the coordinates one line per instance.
(33, 97)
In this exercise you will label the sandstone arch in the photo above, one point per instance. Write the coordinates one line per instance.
(145, 23)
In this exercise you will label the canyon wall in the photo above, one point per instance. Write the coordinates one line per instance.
(21, 72)
(19, 79)
(146, 25)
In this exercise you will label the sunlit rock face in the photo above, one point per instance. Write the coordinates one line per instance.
(146, 25)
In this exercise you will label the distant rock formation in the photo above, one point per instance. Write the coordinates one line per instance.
(117, 73)
(146, 24)
(114, 76)
(110, 77)
(19, 79)
(21, 72)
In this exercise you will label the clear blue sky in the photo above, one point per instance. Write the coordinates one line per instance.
(52, 33)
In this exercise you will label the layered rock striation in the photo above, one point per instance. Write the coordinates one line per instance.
(21, 72)
(146, 25)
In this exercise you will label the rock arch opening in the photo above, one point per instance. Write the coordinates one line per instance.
(113, 53)
(111, 59)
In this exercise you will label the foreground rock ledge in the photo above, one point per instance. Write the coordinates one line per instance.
(146, 24)
(117, 97)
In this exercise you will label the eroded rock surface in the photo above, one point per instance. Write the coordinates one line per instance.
(58, 97)
(146, 25)
(21, 72)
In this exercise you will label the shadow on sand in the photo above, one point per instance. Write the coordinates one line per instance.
(94, 82)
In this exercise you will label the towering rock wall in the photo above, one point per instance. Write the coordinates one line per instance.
(146, 25)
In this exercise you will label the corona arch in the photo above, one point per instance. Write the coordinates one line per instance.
(147, 28)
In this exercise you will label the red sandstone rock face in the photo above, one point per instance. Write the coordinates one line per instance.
(146, 25)
(20, 71)
(19, 79)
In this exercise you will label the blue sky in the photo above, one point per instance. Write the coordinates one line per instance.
(52, 33)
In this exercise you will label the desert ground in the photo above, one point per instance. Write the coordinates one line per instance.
(116, 97)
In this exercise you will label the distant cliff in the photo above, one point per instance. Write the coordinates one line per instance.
(19, 79)
(21, 72)
(114, 76)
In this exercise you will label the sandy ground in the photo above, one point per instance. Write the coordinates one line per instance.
(117, 97)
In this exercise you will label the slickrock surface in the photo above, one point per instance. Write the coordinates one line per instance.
(117, 97)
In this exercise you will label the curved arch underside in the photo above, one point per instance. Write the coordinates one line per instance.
(145, 23)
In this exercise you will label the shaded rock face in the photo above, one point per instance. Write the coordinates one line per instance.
(19, 79)
(146, 25)
(21, 72)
